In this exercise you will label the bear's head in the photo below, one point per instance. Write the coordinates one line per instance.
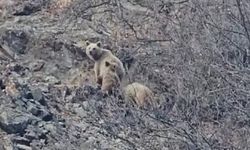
(93, 50)
(111, 66)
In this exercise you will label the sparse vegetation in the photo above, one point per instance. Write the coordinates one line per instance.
(193, 54)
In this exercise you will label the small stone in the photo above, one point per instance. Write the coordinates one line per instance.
(12, 121)
(88, 89)
(17, 68)
(50, 128)
(43, 141)
(17, 40)
(21, 140)
(40, 112)
(2, 86)
(2, 147)
(61, 145)
(47, 116)
(101, 121)
(31, 135)
(52, 80)
(23, 147)
(62, 124)
(37, 66)
(62, 120)
(75, 105)
(29, 95)
(25, 91)
(45, 131)
(21, 102)
(38, 96)
(157, 70)
(89, 144)
(76, 134)
(85, 104)
(80, 111)
(40, 124)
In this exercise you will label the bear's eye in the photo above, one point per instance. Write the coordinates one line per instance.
(107, 64)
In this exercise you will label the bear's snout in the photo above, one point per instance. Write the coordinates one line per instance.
(91, 52)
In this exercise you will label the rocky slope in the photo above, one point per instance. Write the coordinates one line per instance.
(48, 99)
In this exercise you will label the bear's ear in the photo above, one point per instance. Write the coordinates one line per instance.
(107, 64)
(98, 44)
(87, 42)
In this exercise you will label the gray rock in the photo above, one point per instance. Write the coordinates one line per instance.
(23, 147)
(59, 145)
(45, 115)
(31, 135)
(80, 111)
(2, 86)
(21, 103)
(38, 96)
(37, 66)
(17, 40)
(43, 87)
(52, 80)
(2, 147)
(50, 128)
(33, 109)
(19, 69)
(42, 113)
(21, 140)
(29, 7)
(45, 131)
(62, 124)
(89, 144)
(12, 121)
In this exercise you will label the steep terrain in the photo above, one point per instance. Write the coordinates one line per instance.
(193, 54)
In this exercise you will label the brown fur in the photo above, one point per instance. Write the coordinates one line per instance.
(100, 56)
(139, 94)
(110, 78)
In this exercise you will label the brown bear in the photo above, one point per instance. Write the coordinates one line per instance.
(96, 53)
(139, 94)
(110, 79)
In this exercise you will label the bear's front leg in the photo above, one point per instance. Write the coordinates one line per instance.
(99, 80)
(96, 77)
(96, 72)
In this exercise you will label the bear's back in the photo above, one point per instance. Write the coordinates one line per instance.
(109, 57)
(138, 93)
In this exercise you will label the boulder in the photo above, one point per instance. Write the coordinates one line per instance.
(13, 121)
(16, 40)
(40, 112)
(38, 96)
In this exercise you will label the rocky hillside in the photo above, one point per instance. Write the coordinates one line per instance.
(194, 55)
